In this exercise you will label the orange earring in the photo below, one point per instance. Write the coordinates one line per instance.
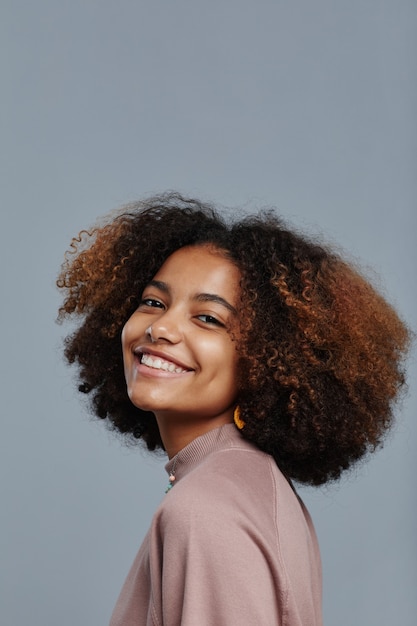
(238, 421)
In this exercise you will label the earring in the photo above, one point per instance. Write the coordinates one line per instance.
(237, 419)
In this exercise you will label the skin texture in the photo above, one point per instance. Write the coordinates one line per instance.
(189, 307)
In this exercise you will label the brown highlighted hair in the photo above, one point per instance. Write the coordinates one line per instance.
(321, 351)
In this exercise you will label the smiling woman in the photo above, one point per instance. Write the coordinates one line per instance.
(252, 356)
(187, 374)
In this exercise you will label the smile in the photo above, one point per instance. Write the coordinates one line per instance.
(160, 364)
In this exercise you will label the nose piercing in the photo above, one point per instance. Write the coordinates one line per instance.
(148, 331)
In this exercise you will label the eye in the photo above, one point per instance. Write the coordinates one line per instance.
(209, 319)
(150, 302)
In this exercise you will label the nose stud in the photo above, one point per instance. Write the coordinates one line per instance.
(148, 331)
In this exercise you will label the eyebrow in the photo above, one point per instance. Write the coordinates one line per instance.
(159, 285)
(200, 297)
(212, 297)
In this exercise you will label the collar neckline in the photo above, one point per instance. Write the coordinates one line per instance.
(195, 452)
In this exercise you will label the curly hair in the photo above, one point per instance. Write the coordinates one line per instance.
(321, 351)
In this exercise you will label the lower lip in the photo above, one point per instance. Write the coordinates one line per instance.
(151, 372)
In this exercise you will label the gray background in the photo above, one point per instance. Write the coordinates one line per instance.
(309, 106)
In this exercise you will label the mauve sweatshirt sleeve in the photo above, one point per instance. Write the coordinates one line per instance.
(232, 548)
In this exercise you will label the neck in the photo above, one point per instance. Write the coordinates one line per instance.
(176, 434)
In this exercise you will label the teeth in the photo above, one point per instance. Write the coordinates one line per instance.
(160, 364)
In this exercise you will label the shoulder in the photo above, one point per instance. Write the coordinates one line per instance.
(239, 485)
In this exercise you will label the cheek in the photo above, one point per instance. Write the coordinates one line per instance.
(123, 335)
(224, 360)
(233, 360)
(124, 340)
(128, 332)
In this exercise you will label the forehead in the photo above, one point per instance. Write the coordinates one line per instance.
(200, 268)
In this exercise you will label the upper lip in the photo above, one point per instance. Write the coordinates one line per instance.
(145, 349)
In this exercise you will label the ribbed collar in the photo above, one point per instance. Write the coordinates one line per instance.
(192, 455)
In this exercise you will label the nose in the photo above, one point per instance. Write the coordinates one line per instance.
(168, 327)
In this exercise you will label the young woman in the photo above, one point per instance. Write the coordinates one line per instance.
(252, 356)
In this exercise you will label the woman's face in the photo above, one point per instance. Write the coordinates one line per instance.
(187, 368)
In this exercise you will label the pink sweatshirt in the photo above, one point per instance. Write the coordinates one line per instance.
(230, 545)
